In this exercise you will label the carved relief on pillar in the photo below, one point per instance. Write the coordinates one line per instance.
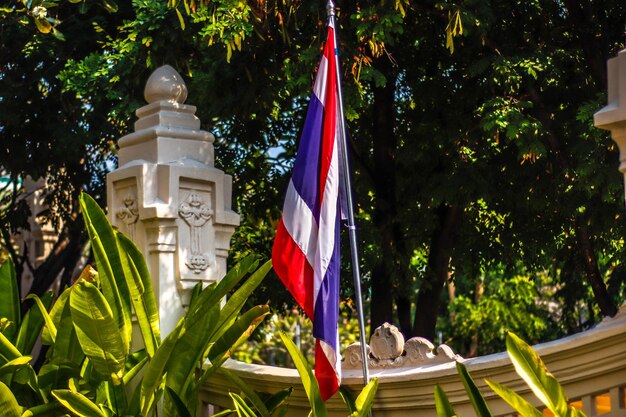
(196, 234)
(124, 206)
(195, 212)
(388, 350)
(128, 213)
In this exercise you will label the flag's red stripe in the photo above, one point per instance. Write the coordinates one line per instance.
(293, 269)
(330, 114)
(325, 373)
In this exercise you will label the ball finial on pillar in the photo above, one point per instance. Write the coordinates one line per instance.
(165, 84)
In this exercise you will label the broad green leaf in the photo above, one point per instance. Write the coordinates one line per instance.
(97, 331)
(8, 351)
(55, 314)
(318, 408)
(278, 399)
(115, 395)
(207, 299)
(518, 403)
(247, 391)
(134, 364)
(348, 399)
(9, 297)
(156, 369)
(179, 405)
(442, 404)
(77, 403)
(200, 333)
(13, 365)
(531, 368)
(52, 409)
(188, 354)
(239, 332)
(141, 292)
(236, 301)
(110, 270)
(31, 325)
(52, 330)
(242, 409)
(56, 375)
(8, 403)
(66, 348)
(476, 398)
(365, 400)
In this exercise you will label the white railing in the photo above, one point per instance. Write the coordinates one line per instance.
(590, 365)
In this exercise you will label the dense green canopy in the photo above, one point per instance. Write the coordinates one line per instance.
(482, 187)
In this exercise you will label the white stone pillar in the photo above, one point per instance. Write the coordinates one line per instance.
(613, 116)
(169, 198)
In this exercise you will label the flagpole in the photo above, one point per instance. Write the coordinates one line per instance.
(351, 225)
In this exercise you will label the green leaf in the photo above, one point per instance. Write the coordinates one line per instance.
(52, 330)
(110, 6)
(245, 389)
(242, 409)
(97, 331)
(442, 404)
(77, 403)
(531, 368)
(8, 403)
(476, 398)
(141, 292)
(134, 364)
(365, 400)
(239, 332)
(8, 351)
(31, 325)
(348, 399)
(155, 370)
(518, 403)
(55, 314)
(66, 347)
(207, 299)
(13, 365)
(109, 265)
(56, 375)
(52, 409)
(236, 301)
(42, 25)
(278, 399)
(318, 408)
(202, 331)
(9, 297)
(179, 405)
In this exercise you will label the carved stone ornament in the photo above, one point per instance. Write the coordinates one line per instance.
(388, 350)
(196, 213)
(128, 214)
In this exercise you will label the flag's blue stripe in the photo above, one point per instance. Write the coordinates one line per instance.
(327, 303)
(305, 175)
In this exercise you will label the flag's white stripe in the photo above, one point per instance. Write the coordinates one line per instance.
(328, 217)
(319, 88)
(334, 358)
(300, 223)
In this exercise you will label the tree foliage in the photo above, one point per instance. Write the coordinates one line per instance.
(473, 150)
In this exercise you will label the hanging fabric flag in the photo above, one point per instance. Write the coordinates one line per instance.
(306, 248)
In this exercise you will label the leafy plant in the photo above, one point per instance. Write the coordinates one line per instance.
(90, 367)
(531, 369)
(357, 407)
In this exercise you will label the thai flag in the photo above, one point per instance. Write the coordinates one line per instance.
(306, 248)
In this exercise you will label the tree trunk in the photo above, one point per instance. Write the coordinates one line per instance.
(601, 295)
(391, 264)
(429, 295)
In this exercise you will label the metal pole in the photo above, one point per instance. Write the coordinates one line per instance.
(351, 225)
